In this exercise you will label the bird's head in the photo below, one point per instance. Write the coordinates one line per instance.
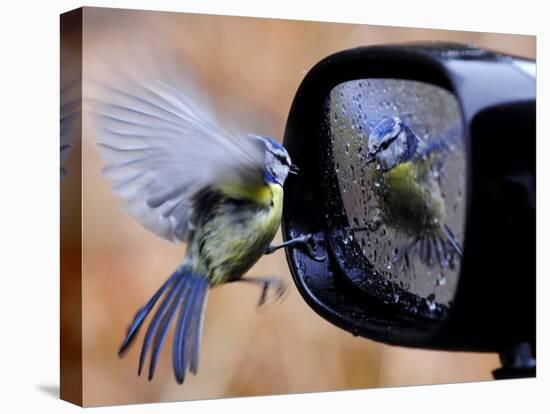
(391, 142)
(277, 160)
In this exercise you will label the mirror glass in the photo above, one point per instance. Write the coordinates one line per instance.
(398, 155)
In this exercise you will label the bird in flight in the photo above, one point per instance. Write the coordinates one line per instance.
(186, 178)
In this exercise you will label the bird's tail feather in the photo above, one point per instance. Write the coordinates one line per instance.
(184, 293)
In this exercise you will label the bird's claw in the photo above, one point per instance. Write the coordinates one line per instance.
(311, 246)
(274, 283)
(307, 241)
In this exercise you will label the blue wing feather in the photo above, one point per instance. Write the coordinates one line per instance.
(194, 335)
(184, 294)
(142, 314)
(180, 337)
(443, 143)
(155, 322)
(181, 291)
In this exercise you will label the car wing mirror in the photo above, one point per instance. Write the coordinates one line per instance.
(417, 179)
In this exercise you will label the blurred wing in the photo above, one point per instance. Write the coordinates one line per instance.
(161, 149)
(446, 142)
(69, 120)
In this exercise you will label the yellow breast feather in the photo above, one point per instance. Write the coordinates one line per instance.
(261, 194)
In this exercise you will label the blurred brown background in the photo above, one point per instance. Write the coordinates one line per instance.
(251, 68)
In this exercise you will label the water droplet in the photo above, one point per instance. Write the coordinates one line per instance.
(347, 238)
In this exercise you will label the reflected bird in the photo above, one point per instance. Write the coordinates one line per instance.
(407, 188)
(187, 179)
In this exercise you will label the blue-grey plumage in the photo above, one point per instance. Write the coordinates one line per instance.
(407, 191)
(187, 179)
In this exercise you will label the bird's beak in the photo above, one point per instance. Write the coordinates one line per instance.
(294, 169)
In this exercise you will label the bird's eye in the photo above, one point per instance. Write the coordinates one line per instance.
(282, 159)
(386, 144)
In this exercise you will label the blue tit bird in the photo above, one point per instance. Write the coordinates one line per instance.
(185, 178)
(407, 189)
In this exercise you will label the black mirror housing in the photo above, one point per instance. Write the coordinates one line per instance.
(493, 309)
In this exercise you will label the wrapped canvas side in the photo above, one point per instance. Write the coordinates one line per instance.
(71, 206)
